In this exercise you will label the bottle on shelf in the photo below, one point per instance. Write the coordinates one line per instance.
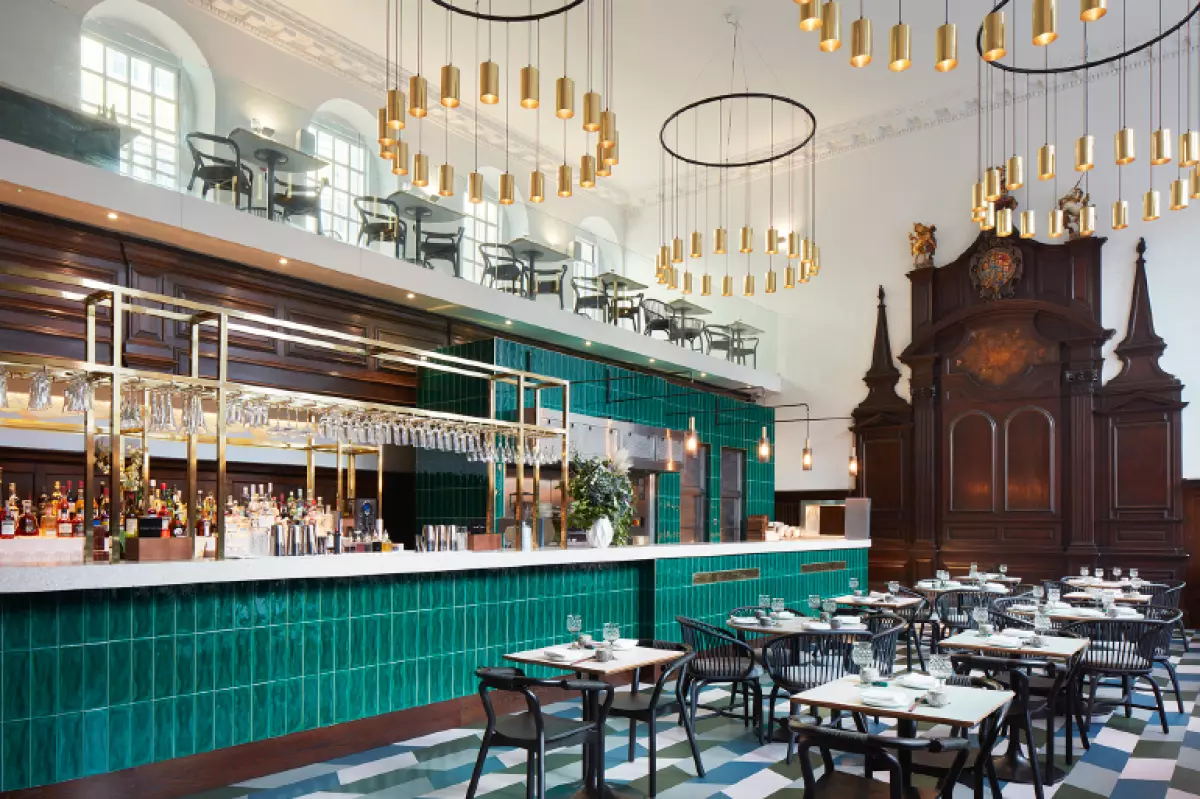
(29, 525)
(63, 525)
(48, 514)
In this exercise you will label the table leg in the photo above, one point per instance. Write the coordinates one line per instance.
(271, 189)
(531, 283)
(417, 243)
(906, 728)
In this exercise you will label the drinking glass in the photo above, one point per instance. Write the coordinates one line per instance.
(1038, 592)
(1116, 573)
(1099, 572)
(1003, 569)
(612, 632)
(893, 587)
(574, 625)
(814, 603)
(1053, 594)
(777, 604)
(1041, 622)
(1083, 571)
(764, 601)
(1134, 579)
(940, 668)
(3, 387)
(829, 606)
(980, 615)
(862, 654)
(974, 570)
(40, 385)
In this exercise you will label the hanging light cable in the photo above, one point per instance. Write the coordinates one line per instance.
(446, 170)
(475, 179)
(537, 178)
(1125, 148)
(564, 87)
(418, 88)
(591, 100)
(531, 92)
(1160, 141)
(398, 152)
(1015, 168)
(1028, 222)
(1189, 137)
(1179, 186)
(1047, 158)
(489, 71)
(450, 75)
(706, 279)
(1057, 223)
(508, 184)
(608, 117)
(1087, 214)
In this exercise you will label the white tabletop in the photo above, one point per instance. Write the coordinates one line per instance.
(687, 308)
(1129, 599)
(989, 577)
(253, 147)
(800, 624)
(620, 282)
(1056, 648)
(542, 252)
(929, 589)
(432, 211)
(624, 660)
(1070, 614)
(1090, 582)
(967, 706)
(879, 602)
(743, 328)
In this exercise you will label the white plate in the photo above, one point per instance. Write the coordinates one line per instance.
(743, 620)
(561, 655)
(920, 682)
(882, 697)
(1002, 642)
(853, 627)
(816, 625)
(624, 643)
(850, 620)
(785, 615)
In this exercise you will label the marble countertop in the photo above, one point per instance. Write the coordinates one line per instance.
(40, 579)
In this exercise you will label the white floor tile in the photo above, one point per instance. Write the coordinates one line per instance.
(764, 783)
(1148, 768)
(1116, 739)
(383, 765)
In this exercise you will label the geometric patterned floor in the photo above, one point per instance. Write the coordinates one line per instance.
(1130, 758)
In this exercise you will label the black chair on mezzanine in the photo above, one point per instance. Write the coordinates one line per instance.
(379, 220)
(217, 172)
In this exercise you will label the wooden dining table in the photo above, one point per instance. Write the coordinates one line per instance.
(967, 707)
(879, 602)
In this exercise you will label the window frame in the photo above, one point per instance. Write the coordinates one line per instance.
(472, 259)
(340, 133)
(586, 267)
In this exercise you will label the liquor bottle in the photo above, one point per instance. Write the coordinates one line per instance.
(14, 504)
(8, 523)
(203, 524)
(63, 525)
(29, 522)
(57, 496)
(101, 516)
(77, 515)
(48, 514)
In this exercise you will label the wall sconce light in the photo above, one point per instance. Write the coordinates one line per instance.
(853, 460)
(691, 443)
(806, 457)
(764, 447)
(670, 453)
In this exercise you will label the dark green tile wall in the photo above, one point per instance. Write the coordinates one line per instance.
(98, 681)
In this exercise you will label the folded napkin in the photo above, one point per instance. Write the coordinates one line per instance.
(876, 595)
(920, 682)
(743, 620)
(850, 619)
(816, 625)
(624, 643)
(561, 654)
(784, 615)
(1020, 634)
(1086, 613)
(996, 588)
(1030, 607)
(1003, 642)
(883, 697)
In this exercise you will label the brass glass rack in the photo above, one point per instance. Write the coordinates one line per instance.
(105, 308)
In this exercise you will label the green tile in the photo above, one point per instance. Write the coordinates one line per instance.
(16, 623)
(141, 606)
(14, 747)
(43, 622)
(95, 742)
(141, 719)
(43, 750)
(206, 649)
(164, 730)
(70, 686)
(43, 698)
(260, 715)
(119, 737)
(243, 712)
(120, 615)
(69, 746)
(164, 668)
(141, 669)
(224, 659)
(164, 611)
(223, 723)
(185, 725)
(185, 611)
(185, 664)
(95, 678)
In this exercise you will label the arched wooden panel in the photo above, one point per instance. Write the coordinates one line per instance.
(973, 462)
(1029, 460)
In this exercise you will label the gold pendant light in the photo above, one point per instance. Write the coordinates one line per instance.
(489, 82)
(612, 155)
(508, 189)
(789, 277)
(673, 278)
(806, 252)
(727, 286)
(1194, 191)
(1160, 147)
(860, 42)
(1179, 194)
(446, 180)
(1087, 221)
(900, 48)
(1189, 148)
(1047, 162)
(771, 281)
(764, 448)
(664, 254)
(1028, 224)
(449, 87)
(748, 285)
(564, 98)
(1151, 205)
(531, 92)
(746, 240)
(806, 458)
(1120, 215)
(816, 263)
(977, 198)
(591, 112)
(810, 15)
(1092, 10)
(993, 184)
(946, 47)
(1015, 173)
(720, 241)
(1004, 220)
(587, 171)
(793, 240)
(537, 186)
(697, 242)
(395, 109)
(1085, 153)
(400, 157)
(988, 220)
(676, 250)
(418, 96)
(1045, 22)
(1055, 228)
(475, 188)
(1125, 146)
(565, 178)
(706, 286)
(772, 247)
(603, 164)
(805, 272)
(994, 42)
(687, 282)
(831, 26)
(608, 128)
(420, 170)
(386, 139)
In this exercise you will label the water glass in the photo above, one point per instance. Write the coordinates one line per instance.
(893, 587)
(829, 606)
(1041, 622)
(974, 570)
(777, 604)
(40, 385)
(814, 603)
(1083, 571)
(980, 615)
(3, 387)
(862, 654)
(764, 601)
(574, 625)
(1038, 592)
(612, 632)
(1099, 572)
(1003, 569)
(940, 668)
(854, 585)
(1116, 573)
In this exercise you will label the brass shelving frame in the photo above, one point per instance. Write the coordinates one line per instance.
(120, 301)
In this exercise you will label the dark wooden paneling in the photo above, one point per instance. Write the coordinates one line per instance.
(882, 473)
(1142, 464)
(1029, 444)
(972, 463)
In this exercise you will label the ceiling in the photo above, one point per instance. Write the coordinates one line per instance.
(668, 53)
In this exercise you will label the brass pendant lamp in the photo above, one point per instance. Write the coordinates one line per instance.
(831, 26)
(810, 15)
(900, 44)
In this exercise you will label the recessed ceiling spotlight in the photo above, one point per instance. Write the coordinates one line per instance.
(112, 214)
(651, 360)
(587, 343)
(283, 261)
(410, 295)
(704, 374)
(508, 321)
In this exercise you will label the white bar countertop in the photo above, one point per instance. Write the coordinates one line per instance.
(41, 579)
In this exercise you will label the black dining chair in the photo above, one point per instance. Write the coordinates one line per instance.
(687, 332)
(1123, 651)
(1167, 593)
(953, 609)
(645, 708)
(548, 281)
(656, 318)
(379, 220)
(442, 247)
(628, 306)
(720, 659)
(718, 338)
(877, 750)
(502, 266)
(744, 349)
(299, 200)
(590, 295)
(916, 617)
(216, 172)
(537, 732)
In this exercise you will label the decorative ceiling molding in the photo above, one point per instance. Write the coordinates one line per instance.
(272, 22)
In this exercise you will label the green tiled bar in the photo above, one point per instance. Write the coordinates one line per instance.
(100, 680)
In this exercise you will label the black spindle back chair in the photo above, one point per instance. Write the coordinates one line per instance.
(721, 659)
(501, 265)
(954, 610)
(214, 171)
(590, 295)
(656, 317)
(718, 338)
(446, 247)
(379, 220)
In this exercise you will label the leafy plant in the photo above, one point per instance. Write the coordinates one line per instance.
(601, 488)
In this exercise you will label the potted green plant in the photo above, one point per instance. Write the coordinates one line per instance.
(602, 499)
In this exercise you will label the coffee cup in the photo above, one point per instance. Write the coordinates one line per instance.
(868, 674)
(937, 697)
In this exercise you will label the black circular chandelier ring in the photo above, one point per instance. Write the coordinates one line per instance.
(775, 98)
(466, 12)
(1100, 62)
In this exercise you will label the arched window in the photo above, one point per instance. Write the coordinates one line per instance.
(348, 177)
(138, 83)
(586, 258)
(483, 224)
